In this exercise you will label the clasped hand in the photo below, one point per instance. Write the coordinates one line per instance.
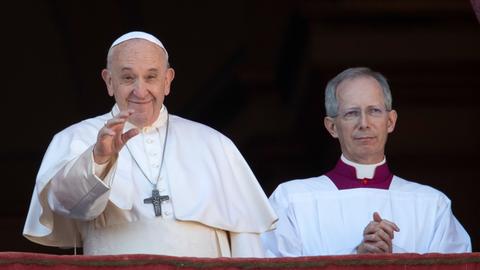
(378, 236)
(111, 139)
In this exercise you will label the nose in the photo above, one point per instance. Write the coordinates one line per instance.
(364, 121)
(140, 88)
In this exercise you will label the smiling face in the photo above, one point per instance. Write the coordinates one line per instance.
(139, 78)
(362, 124)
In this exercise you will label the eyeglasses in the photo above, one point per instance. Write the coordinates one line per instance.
(356, 113)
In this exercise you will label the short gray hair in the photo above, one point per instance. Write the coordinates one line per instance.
(331, 103)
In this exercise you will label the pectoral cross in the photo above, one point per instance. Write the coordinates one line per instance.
(156, 200)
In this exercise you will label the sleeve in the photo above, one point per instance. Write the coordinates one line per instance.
(284, 241)
(42, 224)
(76, 191)
(246, 245)
(449, 235)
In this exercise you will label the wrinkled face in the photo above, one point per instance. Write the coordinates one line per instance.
(362, 124)
(139, 79)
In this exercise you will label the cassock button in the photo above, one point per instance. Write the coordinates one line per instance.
(364, 181)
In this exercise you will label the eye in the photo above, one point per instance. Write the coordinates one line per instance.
(127, 78)
(151, 77)
(351, 114)
(375, 111)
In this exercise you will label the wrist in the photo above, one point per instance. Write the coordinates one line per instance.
(99, 159)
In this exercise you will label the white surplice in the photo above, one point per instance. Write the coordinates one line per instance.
(315, 218)
(216, 206)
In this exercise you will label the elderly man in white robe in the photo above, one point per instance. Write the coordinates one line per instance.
(360, 206)
(140, 180)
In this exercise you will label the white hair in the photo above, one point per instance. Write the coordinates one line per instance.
(331, 103)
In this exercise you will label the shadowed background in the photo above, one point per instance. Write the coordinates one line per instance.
(256, 71)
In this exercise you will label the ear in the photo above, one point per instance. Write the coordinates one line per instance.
(392, 120)
(169, 75)
(329, 123)
(107, 78)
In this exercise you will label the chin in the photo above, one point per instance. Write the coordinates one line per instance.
(139, 120)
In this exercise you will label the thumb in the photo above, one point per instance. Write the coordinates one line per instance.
(129, 134)
(376, 217)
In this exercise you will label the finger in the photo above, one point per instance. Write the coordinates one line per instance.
(378, 236)
(378, 218)
(388, 227)
(370, 238)
(369, 248)
(129, 134)
(104, 132)
(385, 224)
(390, 224)
(375, 232)
(383, 246)
(383, 236)
(121, 117)
(371, 227)
(126, 113)
(115, 122)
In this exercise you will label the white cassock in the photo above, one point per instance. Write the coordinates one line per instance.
(316, 218)
(216, 206)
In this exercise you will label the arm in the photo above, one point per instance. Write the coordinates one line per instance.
(80, 188)
(77, 191)
(284, 241)
(449, 235)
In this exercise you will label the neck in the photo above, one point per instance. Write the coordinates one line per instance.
(363, 170)
(348, 175)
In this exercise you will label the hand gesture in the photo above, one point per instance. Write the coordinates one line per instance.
(378, 236)
(111, 138)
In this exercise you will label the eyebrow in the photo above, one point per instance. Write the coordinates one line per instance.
(129, 69)
(358, 107)
(352, 108)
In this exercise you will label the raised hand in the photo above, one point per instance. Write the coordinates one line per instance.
(378, 236)
(111, 139)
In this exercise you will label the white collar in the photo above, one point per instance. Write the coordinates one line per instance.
(363, 170)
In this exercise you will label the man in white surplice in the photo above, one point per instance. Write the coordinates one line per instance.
(140, 180)
(360, 206)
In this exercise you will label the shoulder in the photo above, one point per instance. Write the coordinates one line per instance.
(402, 185)
(298, 188)
(195, 129)
(180, 122)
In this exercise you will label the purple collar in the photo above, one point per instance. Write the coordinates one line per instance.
(344, 176)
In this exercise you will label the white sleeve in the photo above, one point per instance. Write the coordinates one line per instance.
(284, 241)
(246, 245)
(449, 235)
(76, 192)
